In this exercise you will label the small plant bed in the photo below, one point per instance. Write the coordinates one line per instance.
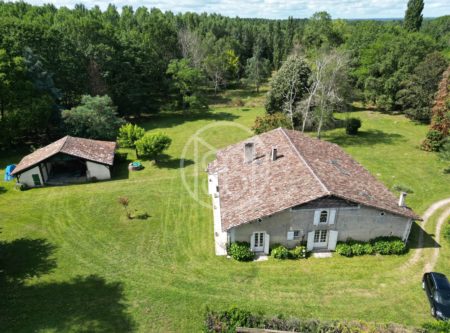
(281, 252)
(234, 318)
(379, 245)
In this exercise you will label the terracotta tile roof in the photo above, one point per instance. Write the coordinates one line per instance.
(92, 150)
(306, 169)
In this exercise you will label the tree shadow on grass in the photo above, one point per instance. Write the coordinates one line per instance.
(364, 138)
(172, 119)
(82, 304)
(2, 190)
(166, 161)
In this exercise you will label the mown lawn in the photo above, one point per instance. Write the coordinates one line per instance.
(73, 262)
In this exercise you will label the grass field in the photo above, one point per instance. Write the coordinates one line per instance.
(73, 262)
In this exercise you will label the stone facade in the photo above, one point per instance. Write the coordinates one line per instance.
(355, 222)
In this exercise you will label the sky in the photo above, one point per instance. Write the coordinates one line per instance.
(276, 9)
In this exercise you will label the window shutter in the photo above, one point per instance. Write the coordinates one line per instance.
(332, 240)
(290, 235)
(332, 216)
(310, 243)
(252, 242)
(317, 217)
(266, 243)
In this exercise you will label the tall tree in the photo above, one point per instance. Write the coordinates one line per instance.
(95, 118)
(288, 87)
(257, 69)
(413, 15)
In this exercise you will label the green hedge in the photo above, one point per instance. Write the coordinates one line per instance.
(279, 251)
(227, 322)
(240, 251)
(379, 245)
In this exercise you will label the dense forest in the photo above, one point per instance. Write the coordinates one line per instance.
(143, 60)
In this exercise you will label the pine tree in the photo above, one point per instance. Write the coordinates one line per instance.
(413, 15)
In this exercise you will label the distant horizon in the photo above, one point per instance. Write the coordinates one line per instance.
(274, 9)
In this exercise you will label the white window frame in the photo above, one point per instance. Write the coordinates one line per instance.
(331, 216)
(327, 211)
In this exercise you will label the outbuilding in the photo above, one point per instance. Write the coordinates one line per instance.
(68, 160)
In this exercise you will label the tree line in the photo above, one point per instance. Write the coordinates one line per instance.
(145, 60)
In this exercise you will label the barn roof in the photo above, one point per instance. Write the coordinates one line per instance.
(92, 150)
(306, 169)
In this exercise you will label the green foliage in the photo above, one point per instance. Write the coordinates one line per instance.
(240, 251)
(279, 252)
(437, 327)
(344, 249)
(269, 122)
(358, 249)
(402, 188)
(380, 245)
(389, 245)
(152, 144)
(446, 231)
(413, 15)
(387, 61)
(298, 252)
(367, 248)
(186, 80)
(291, 79)
(417, 91)
(435, 140)
(352, 126)
(444, 151)
(229, 320)
(257, 70)
(319, 32)
(95, 118)
(129, 134)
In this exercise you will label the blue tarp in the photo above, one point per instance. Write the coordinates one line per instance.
(8, 171)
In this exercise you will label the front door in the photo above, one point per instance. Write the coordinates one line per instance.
(258, 241)
(320, 238)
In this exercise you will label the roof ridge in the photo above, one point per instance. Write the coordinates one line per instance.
(304, 161)
(64, 143)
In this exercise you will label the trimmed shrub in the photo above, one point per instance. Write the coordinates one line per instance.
(352, 126)
(368, 249)
(152, 144)
(381, 247)
(129, 134)
(298, 252)
(388, 245)
(344, 249)
(397, 247)
(240, 251)
(358, 249)
(280, 252)
(269, 122)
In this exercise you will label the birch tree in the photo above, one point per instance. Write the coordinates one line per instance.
(328, 91)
